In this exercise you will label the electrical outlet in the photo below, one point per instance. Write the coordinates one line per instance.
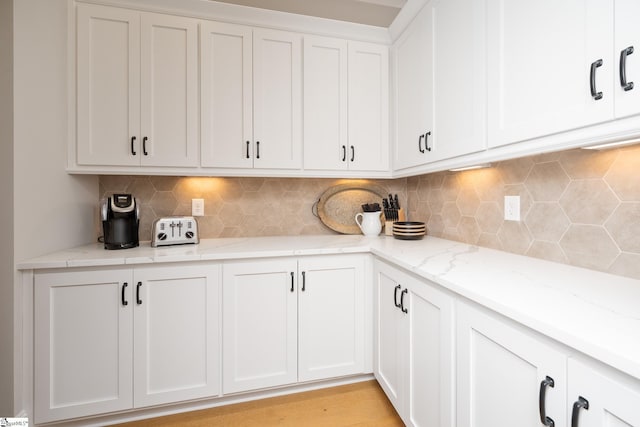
(197, 207)
(512, 208)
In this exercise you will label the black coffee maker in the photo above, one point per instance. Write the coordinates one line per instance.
(120, 220)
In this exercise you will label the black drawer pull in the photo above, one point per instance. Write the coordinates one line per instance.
(344, 153)
(594, 92)
(248, 144)
(124, 286)
(292, 282)
(257, 149)
(353, 153)
(133, 148)
(138, 300)
(420, 144)
(623, 68)
(395, 296)
(144, 146)
(404, 291)
(304, 281)
(426, 141)
(547, 382)
(577, 405)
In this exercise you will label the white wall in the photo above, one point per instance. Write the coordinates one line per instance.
(52, 210)
(6, 212)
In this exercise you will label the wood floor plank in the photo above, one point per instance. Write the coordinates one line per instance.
(353, 405)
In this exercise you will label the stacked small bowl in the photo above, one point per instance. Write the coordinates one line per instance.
(409, 230)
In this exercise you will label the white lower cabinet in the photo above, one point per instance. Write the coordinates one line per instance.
(289, 320)
(414, 353)
(501, 371)
(116, 339)
(597, 398)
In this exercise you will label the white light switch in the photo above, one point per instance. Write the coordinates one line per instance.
(197, 207)
(512, 208)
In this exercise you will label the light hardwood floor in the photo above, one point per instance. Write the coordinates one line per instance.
(361, 404)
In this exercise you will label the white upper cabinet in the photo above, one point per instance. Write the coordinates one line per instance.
(627, 58)
(413, 84)
(325, 103)
(460, 78)
(440, 84)
(277, 99)
(550, 67)
(227, 95)
(368, 107)
(137, 88)
(346, 99)
(251, 97)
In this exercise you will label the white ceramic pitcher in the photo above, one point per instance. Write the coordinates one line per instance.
(369, 223)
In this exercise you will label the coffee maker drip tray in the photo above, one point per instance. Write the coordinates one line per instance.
(174, 230)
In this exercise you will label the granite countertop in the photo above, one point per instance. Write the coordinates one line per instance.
(595, 313)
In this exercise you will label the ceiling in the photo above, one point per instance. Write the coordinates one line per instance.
(379, 13)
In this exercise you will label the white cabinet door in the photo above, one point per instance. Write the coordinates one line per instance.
(414, 351)
(259, 324)
(83, 343)
(627, 36)
(389, 339)
(413, 82)
(325, 104)
(277, 99)
(540, 59)
(368, 83)
(137, 88)
(598, 399)
(169, 91)
(226, 95)
(331, 323)
(108, 86)
(459, 62)
(177, 334)
(501, 368)
(430, 377)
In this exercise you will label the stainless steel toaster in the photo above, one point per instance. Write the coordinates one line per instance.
(174, 230)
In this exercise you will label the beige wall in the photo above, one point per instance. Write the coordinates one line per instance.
(52, 210)
(578, 207)
(6, 213)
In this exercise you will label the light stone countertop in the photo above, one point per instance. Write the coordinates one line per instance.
(595, 313)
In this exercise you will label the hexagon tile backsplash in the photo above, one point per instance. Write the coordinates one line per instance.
(578, 207)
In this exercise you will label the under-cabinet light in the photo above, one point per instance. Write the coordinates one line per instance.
(468, 168)
(614, 144)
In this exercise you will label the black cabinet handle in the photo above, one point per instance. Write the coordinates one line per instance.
(623, 68)
(577, 405)
(594, 93)
(138, 300)
(547, 382)
(133, 142)
(426, 141)
(124, 286)
(248, 144)
(404, 291)
(257, 149)
(353, 153)
(344, 153)
(144, 146)
(292, 282)
(395, 296)
(420, 144)
(304, 281)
